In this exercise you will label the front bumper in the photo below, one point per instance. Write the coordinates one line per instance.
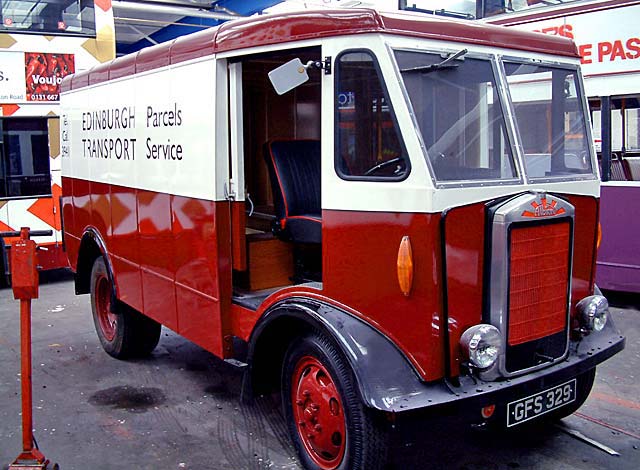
(471, 393)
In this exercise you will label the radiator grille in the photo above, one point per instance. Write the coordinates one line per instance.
(538, 281)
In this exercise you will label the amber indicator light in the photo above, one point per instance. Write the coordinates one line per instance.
(405, 266)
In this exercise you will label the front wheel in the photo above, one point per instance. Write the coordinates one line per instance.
(330, 426)
(123, 332)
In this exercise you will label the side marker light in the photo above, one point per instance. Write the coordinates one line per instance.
(405, 266)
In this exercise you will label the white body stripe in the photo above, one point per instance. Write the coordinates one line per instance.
(153, 131)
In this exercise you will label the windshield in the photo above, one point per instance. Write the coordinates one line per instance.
(550, 118)
(455, 102)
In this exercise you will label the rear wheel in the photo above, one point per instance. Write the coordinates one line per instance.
(123, 332)
(330, 426)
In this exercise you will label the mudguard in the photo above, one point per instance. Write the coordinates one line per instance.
(386, 380)
(83, 288)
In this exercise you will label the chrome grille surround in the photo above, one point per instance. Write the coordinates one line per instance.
(535, 208)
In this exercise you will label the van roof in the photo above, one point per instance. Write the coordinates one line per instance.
(266, 30)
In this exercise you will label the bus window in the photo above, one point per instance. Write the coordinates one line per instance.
(624, 137)
(551, 120)
(24, 170)
(58, 17)
(625, 124)
(367, 136)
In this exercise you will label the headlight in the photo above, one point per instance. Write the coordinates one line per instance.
(593, 311)
(482, 345)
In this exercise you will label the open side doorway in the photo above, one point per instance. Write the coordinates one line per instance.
(275, 177)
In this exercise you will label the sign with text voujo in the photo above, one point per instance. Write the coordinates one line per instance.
(12, 85)
(44, 73)
(33, 76)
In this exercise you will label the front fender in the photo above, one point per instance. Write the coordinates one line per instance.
(386, 380)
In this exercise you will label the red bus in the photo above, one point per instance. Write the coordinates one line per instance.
(341, 201)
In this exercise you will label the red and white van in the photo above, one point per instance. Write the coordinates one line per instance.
(340, 200)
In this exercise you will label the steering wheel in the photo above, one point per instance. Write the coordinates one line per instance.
(398, 161)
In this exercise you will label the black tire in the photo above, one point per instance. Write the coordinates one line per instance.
(123, 331)
(320, 390)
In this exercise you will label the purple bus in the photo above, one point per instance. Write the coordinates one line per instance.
(605, 35)
(617, 118)
(618, 264)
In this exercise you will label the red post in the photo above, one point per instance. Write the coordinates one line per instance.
(24, 278)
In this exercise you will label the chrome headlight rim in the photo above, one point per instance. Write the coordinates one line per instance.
(482, 345)
(593, 313)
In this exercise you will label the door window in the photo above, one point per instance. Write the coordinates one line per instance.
(367, 137)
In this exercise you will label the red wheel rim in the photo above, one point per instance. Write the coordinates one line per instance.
(318, 413)
(108, 321)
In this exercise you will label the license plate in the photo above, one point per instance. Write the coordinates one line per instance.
(540, 403)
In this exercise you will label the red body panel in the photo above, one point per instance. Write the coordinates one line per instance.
(464, 248)
(68, 216)
(193, 46)
(585, 234)
(81, 206)
(100, 209)
(156, 247)
(148, 59)
(198, 262)
(125, 258)
(122, 66)
(99, 73)
(165, 253)
(360, 270)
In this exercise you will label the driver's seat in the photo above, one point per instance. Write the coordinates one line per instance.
(294, 170)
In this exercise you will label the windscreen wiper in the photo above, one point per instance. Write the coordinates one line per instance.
(446, 63)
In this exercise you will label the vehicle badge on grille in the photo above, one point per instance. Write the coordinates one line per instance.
(544, 208)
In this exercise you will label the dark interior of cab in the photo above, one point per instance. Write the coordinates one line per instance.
(278, 236)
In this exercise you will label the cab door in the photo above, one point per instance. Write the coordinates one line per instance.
(375, 189)
(259, 116)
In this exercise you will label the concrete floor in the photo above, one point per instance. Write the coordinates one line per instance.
(181, 408)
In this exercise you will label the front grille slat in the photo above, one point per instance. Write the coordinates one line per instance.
(538, 281)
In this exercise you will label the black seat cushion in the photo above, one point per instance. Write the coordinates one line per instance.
(294, 170)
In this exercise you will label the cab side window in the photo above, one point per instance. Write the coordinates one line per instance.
(368, 143)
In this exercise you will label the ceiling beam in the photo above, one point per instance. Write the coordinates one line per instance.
(133, 8)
